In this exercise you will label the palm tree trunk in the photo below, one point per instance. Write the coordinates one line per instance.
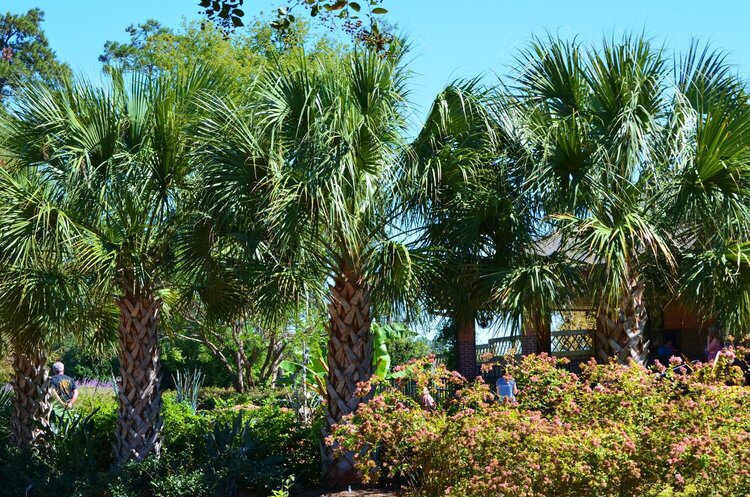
(622, 336)
(139, 397)
(349, 362)
(31, 403)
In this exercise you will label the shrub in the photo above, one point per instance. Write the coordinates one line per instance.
(210, 398)
(183, 429)
(81, 363)
(613, 430)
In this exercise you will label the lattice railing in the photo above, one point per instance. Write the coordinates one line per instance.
(565, 343)
(572, 343)
(499, 347)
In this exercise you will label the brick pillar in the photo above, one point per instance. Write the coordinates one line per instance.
(537, 337)
(529, 345)
(467, 350)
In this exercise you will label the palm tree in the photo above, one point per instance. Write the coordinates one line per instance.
(42, 297)
(477, 214)
(464, 207)
(315, 165)
(615, 157)
(32, 304)
(117, 162)
(710, 189)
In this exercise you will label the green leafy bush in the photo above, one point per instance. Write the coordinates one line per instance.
(183, 429)
(267, 449)
(613, 430)
(86, 364)
(210, 398)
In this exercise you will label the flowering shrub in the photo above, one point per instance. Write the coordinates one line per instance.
(612, 430)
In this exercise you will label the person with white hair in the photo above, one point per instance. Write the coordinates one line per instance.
(64, 386)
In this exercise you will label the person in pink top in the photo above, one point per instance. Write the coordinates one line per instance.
(713, 345)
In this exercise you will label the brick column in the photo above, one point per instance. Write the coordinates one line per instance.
(529, 345)
(467, 350)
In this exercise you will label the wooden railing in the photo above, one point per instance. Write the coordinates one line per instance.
(573, 343)
(565, 343)
(496, 348)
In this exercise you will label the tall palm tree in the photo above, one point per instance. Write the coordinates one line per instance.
(117, 161)
(315, 165)
(32, 303)
(476, 211)
(466, 209)
(710, 189)
(624, 163)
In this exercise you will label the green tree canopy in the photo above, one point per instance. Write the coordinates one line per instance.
(25, 53)
(153, 47)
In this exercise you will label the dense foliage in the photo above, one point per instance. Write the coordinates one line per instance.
(613, 430)
(239, 444)
(239, 207)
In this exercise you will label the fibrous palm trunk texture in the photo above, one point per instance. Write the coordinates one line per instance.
(139, 397)
(349, 362)
(622, 336)
(31, 403)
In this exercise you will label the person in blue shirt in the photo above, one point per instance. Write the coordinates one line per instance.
(506, 388)
(667, 349)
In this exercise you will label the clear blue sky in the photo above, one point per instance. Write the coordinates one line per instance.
(457, 38)
(450, 39)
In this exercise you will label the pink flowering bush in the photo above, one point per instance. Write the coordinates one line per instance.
(612, 430)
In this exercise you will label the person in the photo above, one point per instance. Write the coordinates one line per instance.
(667, 349)
(506, 388)
(65, 387)
(713, 345)
(427, 401)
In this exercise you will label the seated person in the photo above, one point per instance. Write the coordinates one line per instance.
(666, 350)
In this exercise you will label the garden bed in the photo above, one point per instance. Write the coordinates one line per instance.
(352, 493)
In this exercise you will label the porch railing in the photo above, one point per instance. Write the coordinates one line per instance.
(496, 348)
(565, 343)
(573, 343)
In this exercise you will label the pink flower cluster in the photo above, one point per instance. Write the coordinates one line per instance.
(613, 430)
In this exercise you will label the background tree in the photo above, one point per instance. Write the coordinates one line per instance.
(241, 56)
(25, 53)
(249, 353)
(228, 15)
(139, 53)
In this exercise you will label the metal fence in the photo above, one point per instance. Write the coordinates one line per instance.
(409, 388)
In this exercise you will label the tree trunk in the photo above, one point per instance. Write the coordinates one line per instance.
(31, 402)
(622, 336)
(139, 397)
(349, 362)
(238, 378)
